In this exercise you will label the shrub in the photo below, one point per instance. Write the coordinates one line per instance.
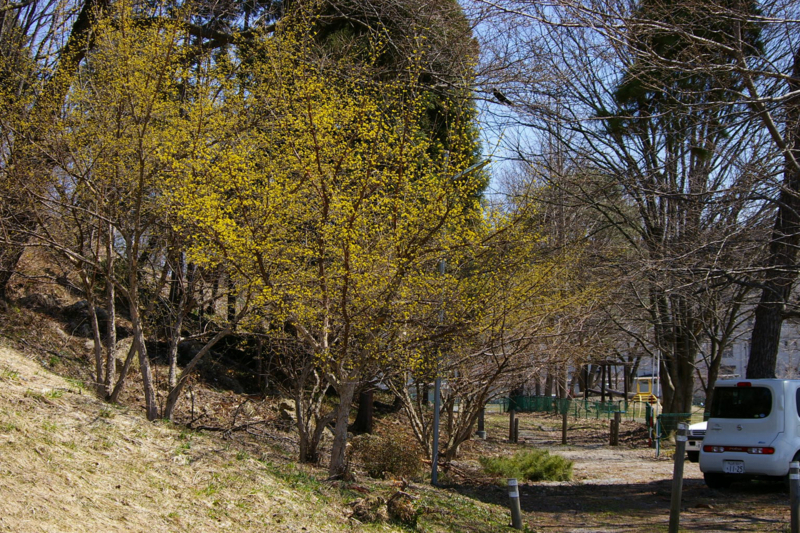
(531, 465)
(392, 455)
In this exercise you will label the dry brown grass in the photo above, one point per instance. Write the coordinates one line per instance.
(73, 463)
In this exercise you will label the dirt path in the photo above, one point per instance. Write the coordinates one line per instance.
(627, 488)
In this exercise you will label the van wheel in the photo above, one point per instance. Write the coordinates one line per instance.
(693, 457)
(715, 480)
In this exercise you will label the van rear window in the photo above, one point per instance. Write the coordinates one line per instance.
(741, 402)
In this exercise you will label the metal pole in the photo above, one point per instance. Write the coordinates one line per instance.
(677, 479)
(794, 495)
(516, 512)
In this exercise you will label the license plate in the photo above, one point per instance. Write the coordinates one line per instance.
(733, 467)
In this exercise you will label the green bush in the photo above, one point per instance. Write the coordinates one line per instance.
(388, 455)
(530, 465)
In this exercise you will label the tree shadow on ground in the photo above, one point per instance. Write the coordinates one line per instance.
(642, 506)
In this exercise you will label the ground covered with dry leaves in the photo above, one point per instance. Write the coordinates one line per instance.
(625, 488)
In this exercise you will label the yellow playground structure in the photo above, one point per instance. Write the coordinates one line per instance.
(645, 390)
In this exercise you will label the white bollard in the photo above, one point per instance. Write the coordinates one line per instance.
(516, 512)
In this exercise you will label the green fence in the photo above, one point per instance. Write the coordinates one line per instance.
(666, 425)
(578, 408)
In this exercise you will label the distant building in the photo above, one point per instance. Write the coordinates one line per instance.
(734, 359)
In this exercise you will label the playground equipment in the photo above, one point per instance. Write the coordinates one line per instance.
(645, 390)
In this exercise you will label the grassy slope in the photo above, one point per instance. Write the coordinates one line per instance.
(69, 462)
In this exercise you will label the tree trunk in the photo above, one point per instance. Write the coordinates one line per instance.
(123, 374)
(364, 416)
(20, 221)
(782, 263)
(231, 300)
(98, 350)
(174, 339)
(9, 258)
(338, 465)
(175, 392)
(177, 299)
(148, 388)
(151, 408)
(111, 309)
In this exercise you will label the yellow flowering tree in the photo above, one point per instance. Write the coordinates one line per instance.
(106, 212)
(332, 205)
(500, 297)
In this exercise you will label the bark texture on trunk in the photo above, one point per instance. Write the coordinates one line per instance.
(782, 263)
(338, 466)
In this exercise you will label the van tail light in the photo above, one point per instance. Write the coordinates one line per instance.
(761, 450)
(754, 450)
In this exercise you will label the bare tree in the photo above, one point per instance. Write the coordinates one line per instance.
(681, 173)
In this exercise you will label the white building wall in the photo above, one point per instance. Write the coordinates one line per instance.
(734, 360)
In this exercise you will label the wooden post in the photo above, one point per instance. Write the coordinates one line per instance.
(677, 479)
(614, 441)
(482, 424)
(516, 430)
(564, 427)
(511, 420)
(516, 512)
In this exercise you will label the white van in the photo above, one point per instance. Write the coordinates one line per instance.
(695, 435)
(753, 430)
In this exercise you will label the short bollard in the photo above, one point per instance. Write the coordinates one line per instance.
(677, 479)
(794, 494)
(516, 512)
